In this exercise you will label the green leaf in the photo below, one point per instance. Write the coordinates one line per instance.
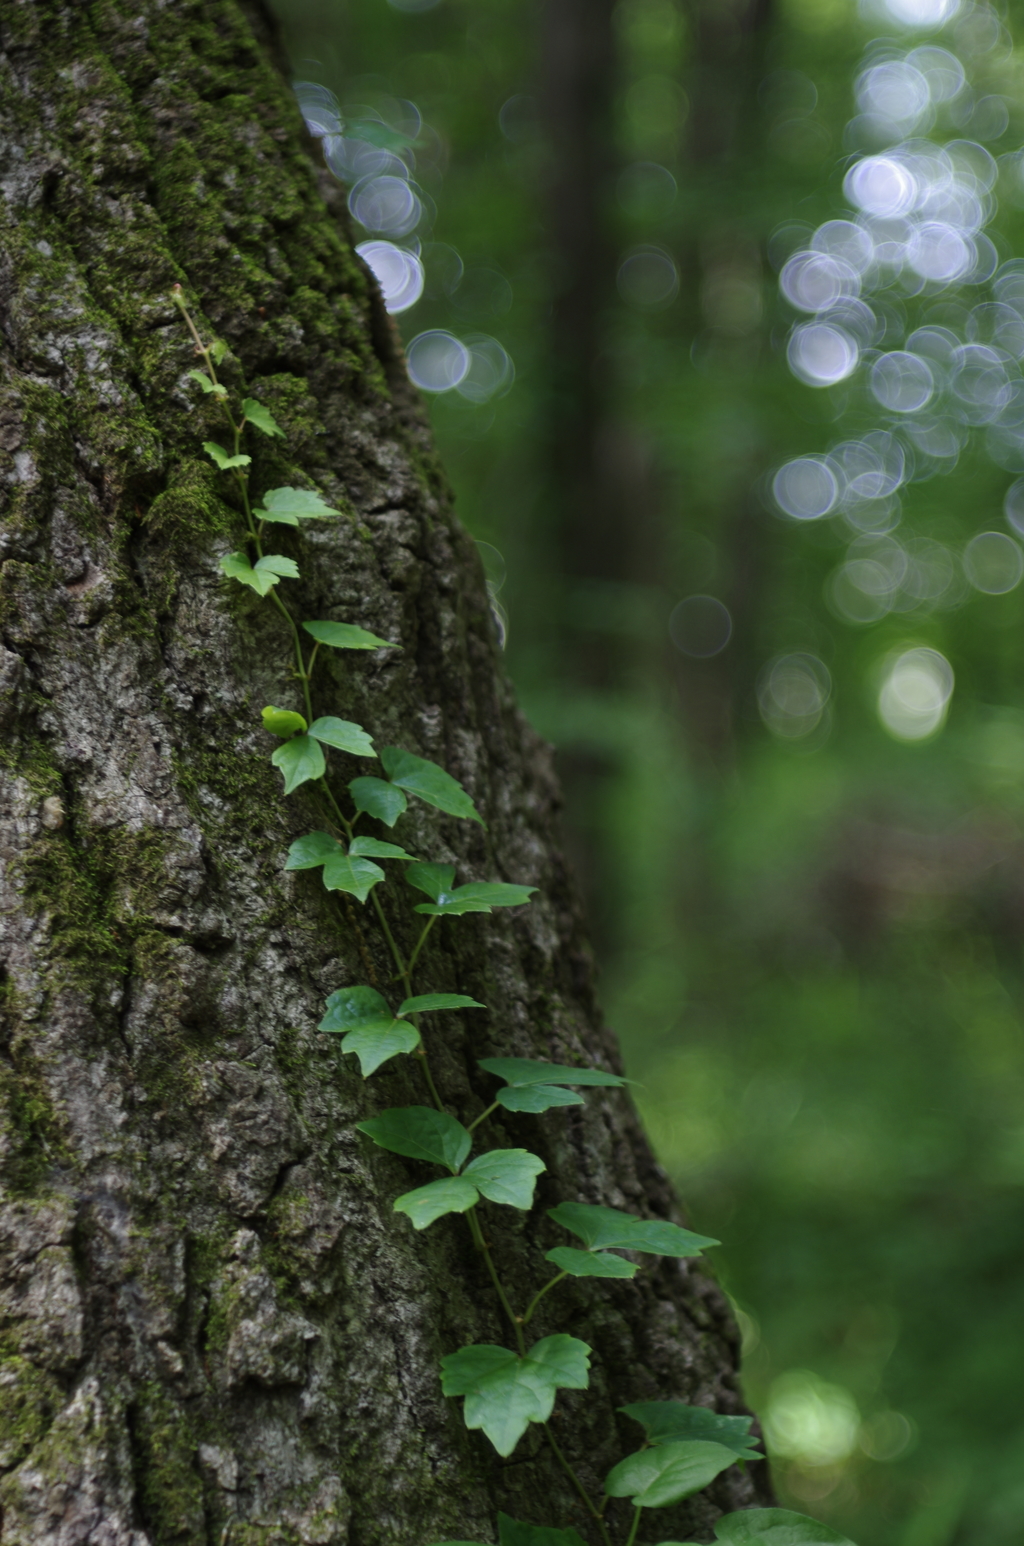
(207, 385)
(260, 417)
(512, 1533)
(289, 506)
(421, 1133)
(671, 1422)
(608, 1229)
(217, 351)
(378, 1041)
(478, 896)
(373, 848)
(343, 734)
(237, 565)
(346, 636)
(429, 782)
(776, 1527)
(429, 1001)
(378, 799)
(504, 1393)
(507, 1176)
(276, 563)
(435, 879)
(536, 1097)
(309, 852)
(299, 759)
(282, 722)
(349, 1007)
(356, 876)
(522, 1072)
(223, 458)
(657, 1477)
(427, 1203)
(376, 133)
(591, 1264)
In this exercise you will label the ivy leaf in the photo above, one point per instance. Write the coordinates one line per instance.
(776, 1527)
(378, 799)
(349, 1007)
(343, 734)
(373, 848)
(356, 876)
(522, 1072)
(377, 1041)
(218, 350)
(657, 1477)
(504, 1393)
(238, 567)
(299, 759)
(536, 1098)
(512, 1533)
(223, 458)
(309, 852)
(434, 879)
(591, 1264)
(207, 385)
(507, 1176)
(429, 782)
(426, 1002)
(276, 563)
(282, 722)
(478, 896)
(609, 1229)
(346, 636)
(421, 1133)
(672, 1422)
(427, 1203)
(289, 506)
(260, 417)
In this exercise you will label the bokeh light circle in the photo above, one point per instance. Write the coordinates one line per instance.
(820, 354)
(792, 694)
(437, 361)
(915, 694)
(806, 488)
(993, 563)
(902, 382)
(398, 272)
(700, 626)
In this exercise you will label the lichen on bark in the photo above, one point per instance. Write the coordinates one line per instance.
(214, 1327)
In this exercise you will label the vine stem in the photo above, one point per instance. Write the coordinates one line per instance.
(635, 1527)
(482, 1117)
(584, 1494)
(481, 1245)
(535, 1301)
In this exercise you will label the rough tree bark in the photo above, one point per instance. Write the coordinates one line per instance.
(214, 1327)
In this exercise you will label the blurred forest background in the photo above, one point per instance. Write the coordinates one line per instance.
(762, 592)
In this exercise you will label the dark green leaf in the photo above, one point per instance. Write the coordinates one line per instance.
(671, 1422)
(346, 636)
(276, 563)
(261, 417)
(479, 896)
(289, 506)
(429, 782)
(591, 1264)
(428, 1001)
(373, 848)
(208, 385)
(299, 759)
(776, 1527)
(435, 879)
(420, 1133)
(378, 799)
(376, 133)
(507, 1176)
(666, 1474)
(239, 568)
(521, 1072)
(427, 1203)
(309, 852)
(343, 734)
(282, 722)
(349, 1007)
(356, 876)
(512, 1533)
(504, 1393)
(377, 1041)
(536, 1097)
(608, 1229)
(223, 458)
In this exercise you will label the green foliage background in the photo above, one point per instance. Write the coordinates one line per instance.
(813, 957)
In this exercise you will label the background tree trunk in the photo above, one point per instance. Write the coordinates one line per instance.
(214, 1326)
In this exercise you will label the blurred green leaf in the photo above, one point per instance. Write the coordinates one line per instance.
(658, 1477)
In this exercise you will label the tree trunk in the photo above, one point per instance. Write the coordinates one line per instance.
(215, 1328)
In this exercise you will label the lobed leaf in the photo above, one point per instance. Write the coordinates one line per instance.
(377, 1041)
(591, 1264)
(536, 1098)
(225, 461)
(427, 1203)
(346, 636)
(425, 1002)
(276, 563)
(512, 1533)
(373, 848)
(671, 1422)
(505, 1393)
(355, 876)
(609, 1229)
(218, 349)
(343, 734)
(289, 506)
(238, 567)
(658, 1477)
(309, 852)
(522, 1072)
(436, 880)
(420, 1132)
(261, 418)
(776, 1527)
(349, 1007)
(282, 722)
(507, 1176)
(478, 896)
(378, 799)
(299, 760)
(207, 385)
(429, 782)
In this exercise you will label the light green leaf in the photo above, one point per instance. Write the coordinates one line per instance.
(435, 879)
(289, 506)
(217, 351)
(507, 1176)
(346, 636)
(373, 848)
(260, 417)
(666, 1474)
(504, 1393)
(522, 1072)
(536, 1098)
(427, 1203)
(276, 563)
(207, 385)
(378, 799)
(421, 1133)
(429, 782)
(225, 461)
(282, 722)
(512, 1533)
(477, 897)
(426, 1002)
(309, 852)
(343, 734)
(672, 1422)
(237, 565)
(376, 133)
(349, 1007)
(609, 1229)
(776, 1527)
(356, 876)
(591, 1264)
(377, 1041)
(299, 759)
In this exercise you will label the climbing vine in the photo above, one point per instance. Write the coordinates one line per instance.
(503, 1389)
